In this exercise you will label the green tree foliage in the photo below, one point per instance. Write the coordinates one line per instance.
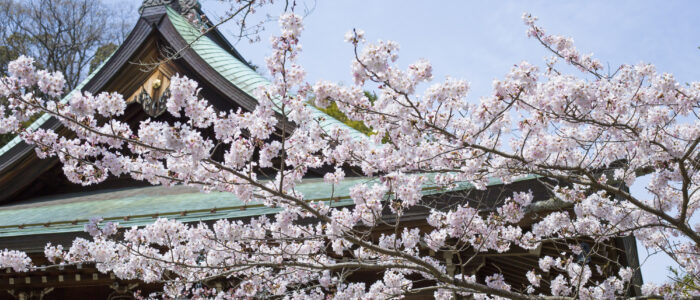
(333, 111)
(685, 282)
(102, 53)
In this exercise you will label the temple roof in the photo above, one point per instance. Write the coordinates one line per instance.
(210, 56)
(140, 206)
(234, 69)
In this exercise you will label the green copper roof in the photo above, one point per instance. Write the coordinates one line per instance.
(236, 71)
(140, 206)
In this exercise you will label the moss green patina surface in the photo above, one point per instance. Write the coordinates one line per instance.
(140, 206)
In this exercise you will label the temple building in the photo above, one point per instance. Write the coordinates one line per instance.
(39, 205)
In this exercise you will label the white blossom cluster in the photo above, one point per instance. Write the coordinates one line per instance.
(590, 134)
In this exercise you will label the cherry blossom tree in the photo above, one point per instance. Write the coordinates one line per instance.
(592, 134)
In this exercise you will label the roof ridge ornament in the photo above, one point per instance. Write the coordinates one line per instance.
(184, 7)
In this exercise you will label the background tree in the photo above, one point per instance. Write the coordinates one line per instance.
(69, 36)
(64, 35)
(102, 53)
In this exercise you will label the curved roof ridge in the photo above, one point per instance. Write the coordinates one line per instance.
(238, 72)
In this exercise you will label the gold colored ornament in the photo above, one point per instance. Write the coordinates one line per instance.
(156, 84)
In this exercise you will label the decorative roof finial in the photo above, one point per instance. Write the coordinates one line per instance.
(184, 7)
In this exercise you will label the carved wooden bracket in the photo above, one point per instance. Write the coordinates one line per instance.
(154, 94)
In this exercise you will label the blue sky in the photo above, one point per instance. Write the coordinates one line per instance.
(481, 41)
